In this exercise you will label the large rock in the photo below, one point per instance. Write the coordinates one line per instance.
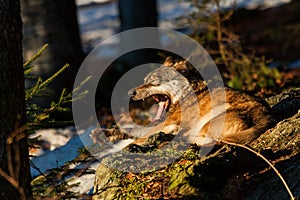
(228, 172)
(106, 187)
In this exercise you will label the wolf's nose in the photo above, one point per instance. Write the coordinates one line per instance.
(132, 93)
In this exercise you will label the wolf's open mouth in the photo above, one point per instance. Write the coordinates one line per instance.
(163, 104)
(163, 101)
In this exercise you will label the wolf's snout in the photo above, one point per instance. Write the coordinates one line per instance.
(132, 93)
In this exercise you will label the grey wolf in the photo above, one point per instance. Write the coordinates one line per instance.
(202, 116)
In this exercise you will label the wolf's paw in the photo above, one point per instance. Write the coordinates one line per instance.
(100, 135)
(170, 129)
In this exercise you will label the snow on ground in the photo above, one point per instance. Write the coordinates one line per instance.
(294, 64)
(97, 23)
(62, 136)
(87, 181)
(63, 147)
(251, 4)
(88, 2)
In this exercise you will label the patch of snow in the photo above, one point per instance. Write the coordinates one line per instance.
(169, 10)
(97, 23)
(88, 2)
(259, 3)
(62, 136)
(64, 145)
(293, 65)
(87, 181)
(50, 159)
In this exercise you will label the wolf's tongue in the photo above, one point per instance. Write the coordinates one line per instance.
(161, 110)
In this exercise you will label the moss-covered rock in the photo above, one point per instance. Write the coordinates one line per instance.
(106, 183)
(228, 172)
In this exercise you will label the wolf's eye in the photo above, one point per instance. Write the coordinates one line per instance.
(155, 82)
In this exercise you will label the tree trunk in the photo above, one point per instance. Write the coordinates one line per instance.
(14, 163)
(132, 14)
(136, 14)
(53, 22)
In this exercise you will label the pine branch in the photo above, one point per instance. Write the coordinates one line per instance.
(27, 65)
(44, 84)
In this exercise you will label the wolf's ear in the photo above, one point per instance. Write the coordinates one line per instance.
(169, 62)
(180, 66)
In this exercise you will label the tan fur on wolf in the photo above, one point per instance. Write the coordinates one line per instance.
(235, 115)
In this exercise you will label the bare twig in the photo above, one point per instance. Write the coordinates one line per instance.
(268, 162)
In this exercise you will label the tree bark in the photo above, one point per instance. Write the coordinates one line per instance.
(136, 14)
(14, 160)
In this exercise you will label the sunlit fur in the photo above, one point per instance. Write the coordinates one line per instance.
(200, 115)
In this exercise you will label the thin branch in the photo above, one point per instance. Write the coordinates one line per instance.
(37, 169)
(268, 162)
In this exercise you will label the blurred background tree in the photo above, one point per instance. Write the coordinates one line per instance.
(136, 14)
(132, 14)
(52, 22)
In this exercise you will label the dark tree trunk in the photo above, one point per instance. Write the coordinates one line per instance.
(137, 13)
(14, 161)
(53, 22)
(132, 14)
